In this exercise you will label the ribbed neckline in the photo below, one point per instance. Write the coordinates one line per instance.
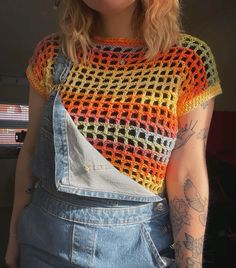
(123, 41)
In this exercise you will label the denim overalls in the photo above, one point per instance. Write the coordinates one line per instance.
(84, 212)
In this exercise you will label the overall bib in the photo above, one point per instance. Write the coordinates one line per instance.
(84, 212)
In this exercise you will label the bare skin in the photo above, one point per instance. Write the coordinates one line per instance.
(115, 17)
(188, 198)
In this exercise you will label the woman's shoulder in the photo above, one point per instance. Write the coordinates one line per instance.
(192, 44)
(40, 65)
(199, 59)
(196, 53)
(45, 51)
(49, 42)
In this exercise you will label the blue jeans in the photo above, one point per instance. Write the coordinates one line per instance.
(79, 231)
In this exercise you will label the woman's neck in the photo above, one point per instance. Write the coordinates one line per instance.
(116, 24)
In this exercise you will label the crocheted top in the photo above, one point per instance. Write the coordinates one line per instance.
(128, 109)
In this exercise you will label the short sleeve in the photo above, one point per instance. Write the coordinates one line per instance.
(200, 81)
(40, 65)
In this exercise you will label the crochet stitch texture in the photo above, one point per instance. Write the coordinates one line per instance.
(129, 112)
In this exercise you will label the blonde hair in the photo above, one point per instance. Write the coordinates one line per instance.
(157, 22)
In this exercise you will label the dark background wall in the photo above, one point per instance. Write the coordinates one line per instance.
(214, 21)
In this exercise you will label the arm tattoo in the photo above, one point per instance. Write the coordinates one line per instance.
(193, 197)
(179, 214)
(191, 263)
(203, 219)
(195, 201)
(29, 190)
(184, 134)
(205, 105)
(194, 245)
(178, 250)
(202, 134)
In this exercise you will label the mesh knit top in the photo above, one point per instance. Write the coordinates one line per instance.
(128, 109)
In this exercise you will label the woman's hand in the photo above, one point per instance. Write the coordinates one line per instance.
(12, 253)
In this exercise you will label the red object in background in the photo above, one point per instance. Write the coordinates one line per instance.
(222, 136)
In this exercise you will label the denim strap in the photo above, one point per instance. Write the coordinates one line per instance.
(61, 68)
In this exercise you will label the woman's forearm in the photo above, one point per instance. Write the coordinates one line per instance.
(23, 188)
(188, 199)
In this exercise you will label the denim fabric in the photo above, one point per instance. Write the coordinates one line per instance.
(94, 232)
(84, 212)
(64, 154)
(61, 68)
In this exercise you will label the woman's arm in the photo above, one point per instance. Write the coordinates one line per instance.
(187, 186)
(23, 178)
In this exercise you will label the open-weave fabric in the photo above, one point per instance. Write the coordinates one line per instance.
(129, 112)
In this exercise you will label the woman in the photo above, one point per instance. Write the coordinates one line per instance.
(121, 103)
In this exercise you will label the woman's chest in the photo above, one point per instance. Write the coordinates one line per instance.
(143, 98)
